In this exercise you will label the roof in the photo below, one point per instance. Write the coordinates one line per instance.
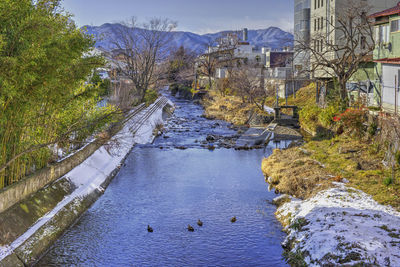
(387, 12)
(395, 61)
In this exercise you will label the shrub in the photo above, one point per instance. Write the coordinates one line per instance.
(295, 258)
(150, 96)
(372, 108)
(326, 115)
(352, 120)
(387, 181)
(397, 157)
(309, 116)
(298, 224)
(372, 129)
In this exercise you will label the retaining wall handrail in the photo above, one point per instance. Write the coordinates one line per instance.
(160, 103)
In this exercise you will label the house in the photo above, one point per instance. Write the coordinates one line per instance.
(233, 51)
(387, 56)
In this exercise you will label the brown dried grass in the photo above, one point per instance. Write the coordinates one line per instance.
(294, 172)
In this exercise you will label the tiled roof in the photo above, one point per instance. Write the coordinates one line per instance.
(389, 60)
(387, 12)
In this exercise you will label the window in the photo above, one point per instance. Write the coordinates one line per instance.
(319, 4)
(364, 17)
(322, 2)
(315, 4)
(318, 24)
(377, 35)
(394, 26)
(322, 45)
(299, 7)
(363, 42)
(384, 34)
(322, 23)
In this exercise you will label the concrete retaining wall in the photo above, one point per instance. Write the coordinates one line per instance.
(33, 183)
(44, 193)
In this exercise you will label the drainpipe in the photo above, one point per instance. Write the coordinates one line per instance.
(395, 94)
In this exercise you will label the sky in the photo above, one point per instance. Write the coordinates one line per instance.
(198, 16)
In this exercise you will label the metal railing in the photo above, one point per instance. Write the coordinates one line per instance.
(160, 103)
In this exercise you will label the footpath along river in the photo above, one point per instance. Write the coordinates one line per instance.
(168, 187)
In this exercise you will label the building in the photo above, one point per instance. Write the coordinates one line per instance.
(231, 50)
(302, 22)
(387, 56)
(325, 29)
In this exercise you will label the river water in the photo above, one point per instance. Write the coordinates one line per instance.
(169, 188)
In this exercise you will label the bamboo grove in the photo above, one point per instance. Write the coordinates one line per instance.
(46, 102)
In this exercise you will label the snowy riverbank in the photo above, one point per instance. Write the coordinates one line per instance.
(339, 226)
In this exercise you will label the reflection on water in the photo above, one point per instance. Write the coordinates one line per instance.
(169, 189)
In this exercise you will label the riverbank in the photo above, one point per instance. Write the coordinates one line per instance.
(73, 193)
(337, 208)
(167, 187)
(228, 108)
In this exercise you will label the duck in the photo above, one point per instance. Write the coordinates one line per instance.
(199, 223)
(233, 219)
(190, 228)
(149, 229)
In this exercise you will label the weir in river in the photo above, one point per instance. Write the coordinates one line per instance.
(172, 183)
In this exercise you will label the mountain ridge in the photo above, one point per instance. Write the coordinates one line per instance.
(272, 37)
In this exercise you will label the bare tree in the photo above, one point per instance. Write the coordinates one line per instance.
(248, 83)
(180, 68)
(220, 53)
(206, 64)
(341, 43)
(141, 49)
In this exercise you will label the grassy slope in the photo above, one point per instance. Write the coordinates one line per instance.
(307, 170)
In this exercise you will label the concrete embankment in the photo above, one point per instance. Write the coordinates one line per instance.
(46, 204)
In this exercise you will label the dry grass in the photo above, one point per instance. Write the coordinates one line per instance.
(307, 170)
(294, 172)
(231, 108)
(228, 108)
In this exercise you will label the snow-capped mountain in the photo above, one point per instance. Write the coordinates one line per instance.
(272, 37)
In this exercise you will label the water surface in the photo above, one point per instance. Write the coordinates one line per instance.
(170, 188)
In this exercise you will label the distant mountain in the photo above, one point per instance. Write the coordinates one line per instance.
(272, 37)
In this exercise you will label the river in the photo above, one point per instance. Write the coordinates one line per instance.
(168, 188)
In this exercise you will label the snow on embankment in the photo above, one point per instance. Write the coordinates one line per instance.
(339, 226)
(88, 178)
(95, 170)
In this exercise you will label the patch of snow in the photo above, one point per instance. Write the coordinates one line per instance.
(343, 222)
(91, 173)
(269, 110)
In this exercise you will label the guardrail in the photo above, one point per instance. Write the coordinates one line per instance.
(160, 103)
